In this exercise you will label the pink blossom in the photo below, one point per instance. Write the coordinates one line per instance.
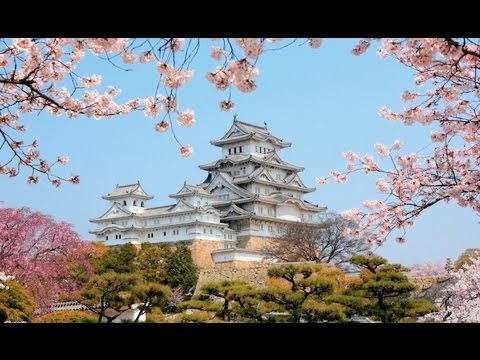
(74, 179)
(437, 137)
(382, 150)
(409, 96)
(186, 150)
(146, 57)
(40, 252)
(186, 118)
(382, 186)
(63, 160)
(217, 53)
(321, 181)
(32, 179)
(162, 126)
(338, 177)
(226, 105)
(315, 43)
(128, 57)
(397, 145)
(361, 47)
(400, 239)
(176, 44)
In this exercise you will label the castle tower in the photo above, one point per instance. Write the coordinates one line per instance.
(256, 192)
(247, 199)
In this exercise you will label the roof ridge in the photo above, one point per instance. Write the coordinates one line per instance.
(122, 186)
(253, 125)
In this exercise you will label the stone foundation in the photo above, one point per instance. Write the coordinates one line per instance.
(202, 252)
(256, 276)
(257, 242)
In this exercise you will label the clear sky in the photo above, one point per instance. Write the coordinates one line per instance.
(324, 101)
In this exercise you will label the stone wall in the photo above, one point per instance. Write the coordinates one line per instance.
(202, 252)
(256, 276)
(256, 242)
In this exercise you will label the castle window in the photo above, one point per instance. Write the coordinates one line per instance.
(134, 202)
(120, 236)
(164, 233)
(240, 149)
(204, 230)
(142, 204)
(229, 151)
(234, 150)
(270, 228)
(124, 203)
(211, 232)
(106, 237)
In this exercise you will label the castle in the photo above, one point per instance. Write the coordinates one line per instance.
(247, 199)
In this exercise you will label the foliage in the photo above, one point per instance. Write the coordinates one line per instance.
(74, 316)
(308, 296)
(108, 295)
(196, 317)
(466, 257)
(42, 253)
(16, 302)
(117, 259)
(323, 242)
(180, 269)
(150, 262)
(388, 290)
(150, 295)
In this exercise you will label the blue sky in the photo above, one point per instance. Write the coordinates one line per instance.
(324, 101)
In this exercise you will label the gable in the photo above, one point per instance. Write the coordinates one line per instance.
(219, 185)
(181, 206)
(234, 132)
(139, 191)
(114, 212)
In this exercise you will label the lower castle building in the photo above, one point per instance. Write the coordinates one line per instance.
(247, 199)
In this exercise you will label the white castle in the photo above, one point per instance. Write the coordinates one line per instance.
(248, 197)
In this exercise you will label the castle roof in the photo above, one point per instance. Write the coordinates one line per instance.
(189, 190)
(130, 190)
(270, 159)
(240, 131)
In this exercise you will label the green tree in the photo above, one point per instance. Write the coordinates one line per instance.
(118, 259)
(150, 295)
(15, 302)
(180, 269)
(66, 317)
(466, 257)
(388, 289)
(108, 295)
(150, 263)
(226, 292)
(308, 293)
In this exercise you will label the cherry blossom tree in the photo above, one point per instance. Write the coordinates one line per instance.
(41, 254)
(463, 302)
(39, 75)
(447, 170)
(42, 75)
